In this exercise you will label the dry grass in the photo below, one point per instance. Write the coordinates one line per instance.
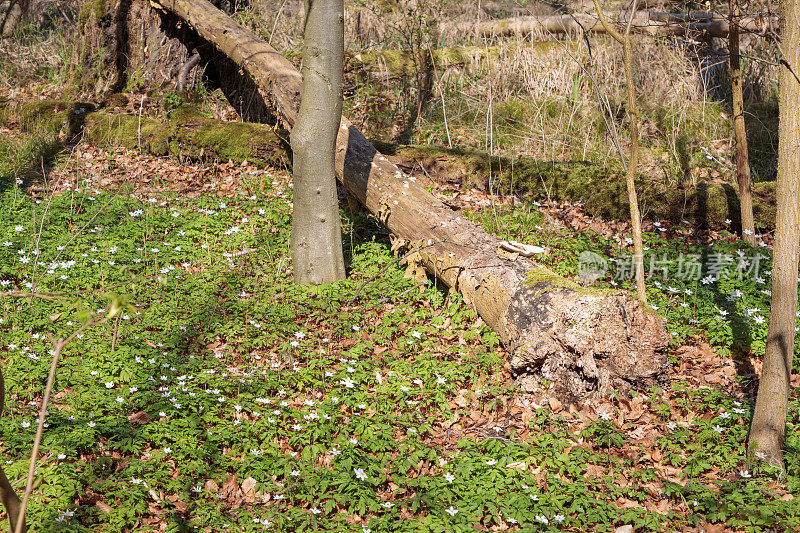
(35, 55)
(523, 96)
(538, 96)
(544, 100)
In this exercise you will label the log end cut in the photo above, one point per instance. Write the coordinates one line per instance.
(584, 343)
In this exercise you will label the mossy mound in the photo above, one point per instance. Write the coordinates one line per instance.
(47, 117)
(601, 189)
(187, 134)
(707, 205)
(184, 134)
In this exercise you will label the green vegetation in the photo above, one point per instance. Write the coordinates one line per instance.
(187, 134)
(227, 398)
(232, 399)
(183, 133)
(600, 189)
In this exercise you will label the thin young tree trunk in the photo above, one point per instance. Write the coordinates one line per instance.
(633, 157)
(769, 417)
(584, 342)
(316, 229)
(10, 500)
(739, 132)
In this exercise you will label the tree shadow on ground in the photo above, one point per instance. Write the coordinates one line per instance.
(740, 328)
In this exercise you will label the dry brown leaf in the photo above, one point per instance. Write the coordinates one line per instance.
(248, 486)
(139, 417)
(555, 404)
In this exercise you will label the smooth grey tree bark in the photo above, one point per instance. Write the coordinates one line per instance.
(769, 418)
(316, 229)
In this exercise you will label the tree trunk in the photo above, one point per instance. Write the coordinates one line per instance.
(633, 158)
(125, 45)
(130, 45)
(316, 229)
(582, 341)
(10, 15)
(769, 417)
(739, 132)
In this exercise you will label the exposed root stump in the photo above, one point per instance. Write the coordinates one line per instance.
(584, 343)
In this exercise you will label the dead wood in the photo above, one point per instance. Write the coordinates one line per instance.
(646, 23)
(583, 341)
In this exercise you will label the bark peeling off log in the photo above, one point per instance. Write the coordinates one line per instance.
(583, 341)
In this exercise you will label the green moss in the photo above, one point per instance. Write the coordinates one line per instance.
(708, 205)
(99, 7)
(51, 117)
(5, 110)
(109, 129)
(561, 180)
(135, 82)
(44, 115)
(543, 280)
(187, 134)
(184, 113)
(542, 276)
(92, 7)
(602, 190)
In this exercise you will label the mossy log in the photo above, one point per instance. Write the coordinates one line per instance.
(187, 134)
(45, 117)
(582, 341)
(184, 134)
(402, 63)
(601, 189)
(658, 24)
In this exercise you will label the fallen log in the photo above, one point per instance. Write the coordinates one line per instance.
(582, 341)
(389, 64)
(655, 24)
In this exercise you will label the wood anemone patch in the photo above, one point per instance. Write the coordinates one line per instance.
(587, 341)
(552, 328)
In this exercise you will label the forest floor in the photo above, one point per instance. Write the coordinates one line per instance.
(226, 398)
(223, 397)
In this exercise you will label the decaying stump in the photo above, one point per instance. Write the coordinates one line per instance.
(581, 340)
